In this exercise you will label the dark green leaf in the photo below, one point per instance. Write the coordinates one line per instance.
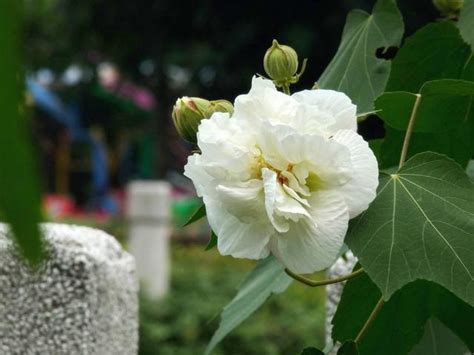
(438, 339)
(348, 348)
(212, 241)
(355, 70)
(19, 191)
(399, 325)
(444, 105)
(420, 226)
(197, 215)
(311, 351)
(267, 278)
(466, 22)
(436, 51)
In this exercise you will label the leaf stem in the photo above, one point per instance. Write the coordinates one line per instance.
(409, 132)
(369, 320)
(314, 283)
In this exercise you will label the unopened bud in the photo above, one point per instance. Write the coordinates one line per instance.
(280, 62)
(189, 111)
(448, 8)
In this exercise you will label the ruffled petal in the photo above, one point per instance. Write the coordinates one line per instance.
(280, 206)
(244, 200)
(325, 111)
(265, 102)
(236, 238)
(309, 247)
(329, 160)
(360, 191)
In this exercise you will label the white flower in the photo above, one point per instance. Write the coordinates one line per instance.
(284, 175)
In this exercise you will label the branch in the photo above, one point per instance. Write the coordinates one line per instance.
(369, 320)
(313, 283)
(409, 132)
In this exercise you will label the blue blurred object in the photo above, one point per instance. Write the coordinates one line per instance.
(69, 116)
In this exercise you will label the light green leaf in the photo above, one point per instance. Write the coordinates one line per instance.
(399, 325)
(267, 278)
(444, 105)
(466, 22)
(199, 213)
(19, 190)
(420, 226)
(355, 70)
(438, 339)
(436, 51)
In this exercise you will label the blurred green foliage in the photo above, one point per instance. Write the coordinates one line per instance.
(202, 284)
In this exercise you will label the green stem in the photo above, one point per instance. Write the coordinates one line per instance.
(411, 124)
(313, 283)
(369, 320)
(286, 89)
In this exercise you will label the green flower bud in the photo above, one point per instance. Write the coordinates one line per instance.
(189, 111)
(280, 63)
(221, 106)
(448, 8)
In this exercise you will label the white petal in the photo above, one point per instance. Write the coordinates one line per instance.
(330, 160)
(360, 191)
(226, 145)
(306, 247)
(265, 102)
(244, 200)
(280, 206)
(241, 240)
(201, 179)
(326, 111)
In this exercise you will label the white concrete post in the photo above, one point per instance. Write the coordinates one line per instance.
(149, 210)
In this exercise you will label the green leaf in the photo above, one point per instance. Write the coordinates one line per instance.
(437, 51)
(267, 278)
(438, 339)
(420, 226)
(470, 170)
(348, 348)
(466, 22)
(311, 351)
(355, 70)
(399, 325)
(199, 213)
(212, 241)
(444, 105)
(19, 191)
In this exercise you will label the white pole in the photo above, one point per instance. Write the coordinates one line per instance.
(148, 209)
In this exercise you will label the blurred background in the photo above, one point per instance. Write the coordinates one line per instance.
(102, 77)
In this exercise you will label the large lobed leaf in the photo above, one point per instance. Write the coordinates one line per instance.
(438, 339)
(444, 120)
(437, 51)
(420, 226)
(267, 278)
(401, 322)
(19, 191)
(355, 69)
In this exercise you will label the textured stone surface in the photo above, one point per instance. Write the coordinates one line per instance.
(333, 292)
(83, 300)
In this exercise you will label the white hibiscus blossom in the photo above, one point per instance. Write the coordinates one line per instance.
(284, 175)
